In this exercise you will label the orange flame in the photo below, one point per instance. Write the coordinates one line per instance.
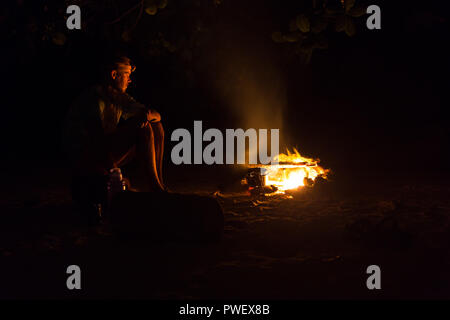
(293, 171)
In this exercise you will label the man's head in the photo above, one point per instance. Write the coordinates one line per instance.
(119, 73)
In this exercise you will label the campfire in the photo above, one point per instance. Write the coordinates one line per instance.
(292, 172)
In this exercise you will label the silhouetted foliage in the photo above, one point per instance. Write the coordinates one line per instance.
(161, 27)
(311, 28)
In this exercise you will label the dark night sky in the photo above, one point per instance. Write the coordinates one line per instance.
(374, 101)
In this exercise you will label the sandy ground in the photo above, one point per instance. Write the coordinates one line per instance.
(316, 245)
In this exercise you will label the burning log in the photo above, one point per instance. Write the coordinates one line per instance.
(292, 172)
(255, 182)
(253, 178)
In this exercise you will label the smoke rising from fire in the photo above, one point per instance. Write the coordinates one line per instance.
(252, 89)
(245, 71)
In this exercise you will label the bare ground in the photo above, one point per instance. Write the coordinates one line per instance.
(316, 245)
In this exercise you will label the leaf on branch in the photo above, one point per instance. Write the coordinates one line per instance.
(303, 23)
(162, 4)
(357, 11)
(331, 12)
(348, 4)
(291, 37)
(151, 10)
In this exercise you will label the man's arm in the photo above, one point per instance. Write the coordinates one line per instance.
(132, 108)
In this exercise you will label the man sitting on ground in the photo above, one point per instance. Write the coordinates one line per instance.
(106, 128)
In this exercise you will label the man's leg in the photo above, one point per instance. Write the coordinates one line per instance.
(132, 140)
(149, 154)
(158, 133)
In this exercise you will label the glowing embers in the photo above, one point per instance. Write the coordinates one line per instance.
(285, 177)
(293, 171)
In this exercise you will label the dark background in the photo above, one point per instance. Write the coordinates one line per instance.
(372, 107)
(372, 102)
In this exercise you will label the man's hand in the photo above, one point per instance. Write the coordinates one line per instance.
(153, 116)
